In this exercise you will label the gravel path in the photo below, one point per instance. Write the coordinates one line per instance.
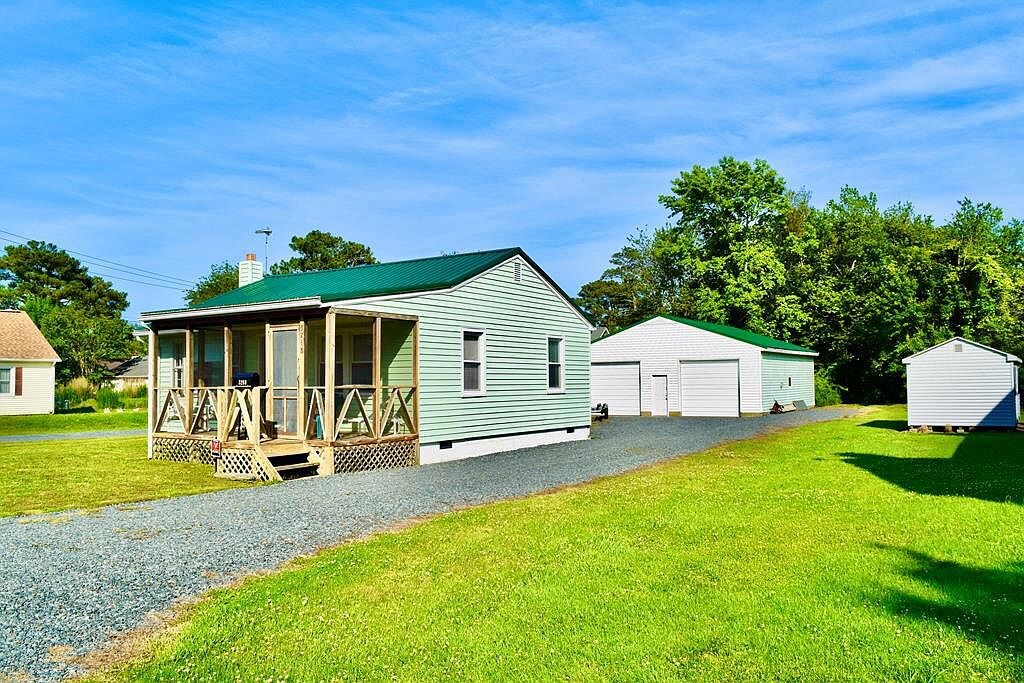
(64, 436)
(73, 579)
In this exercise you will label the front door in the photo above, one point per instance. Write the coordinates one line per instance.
(659, 395)
(284, 375)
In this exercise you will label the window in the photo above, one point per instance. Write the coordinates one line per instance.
(362, 359)
(556, 364)
(473, 354)
(6, 381)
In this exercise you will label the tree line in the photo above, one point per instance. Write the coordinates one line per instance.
(863, 285)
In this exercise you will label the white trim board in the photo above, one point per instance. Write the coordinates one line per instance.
(433, 453)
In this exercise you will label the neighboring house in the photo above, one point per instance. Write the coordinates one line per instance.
(139, 331)
(373, 366)
(129, 374)
(673, 366)
(27, 363)
(962, 383)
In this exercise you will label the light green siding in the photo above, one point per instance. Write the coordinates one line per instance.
(396, 352)
(776, 372)
(517, 318)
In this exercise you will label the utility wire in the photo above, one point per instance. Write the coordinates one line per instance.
(133, 270)
(118, 276)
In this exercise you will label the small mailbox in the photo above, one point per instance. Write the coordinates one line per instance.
(246, 379)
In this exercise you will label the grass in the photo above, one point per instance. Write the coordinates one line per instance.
(74, 421)
(46, 476)
(838, 551)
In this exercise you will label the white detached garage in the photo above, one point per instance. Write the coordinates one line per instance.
(962, 383)
(673, 366)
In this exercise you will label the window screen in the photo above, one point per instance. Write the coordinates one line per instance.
(556, 374)
(472, 361)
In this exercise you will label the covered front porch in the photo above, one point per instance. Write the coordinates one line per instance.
(286, 394)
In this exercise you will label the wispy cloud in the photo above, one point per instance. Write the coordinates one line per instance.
(166, 138)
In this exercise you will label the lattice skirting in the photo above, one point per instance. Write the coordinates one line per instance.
(376, 456)
(182, 450)
(240, 463)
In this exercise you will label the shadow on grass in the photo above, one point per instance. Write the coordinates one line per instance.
(893, 425)
(985, 603)
(76, 411)
(986, 466)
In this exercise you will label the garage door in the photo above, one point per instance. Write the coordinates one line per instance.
(618, 385)
(710, 388)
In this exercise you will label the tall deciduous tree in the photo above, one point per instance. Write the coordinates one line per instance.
(730, 245)
(44, 271)
(85, 342)
(223, 277)
(319, 250)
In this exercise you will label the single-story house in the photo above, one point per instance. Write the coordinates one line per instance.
(379, 365)
(667, 365)
(129, 374)
(27, 366)
(962, 383)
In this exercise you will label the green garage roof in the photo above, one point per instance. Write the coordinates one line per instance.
(736, 333)
(399, 277)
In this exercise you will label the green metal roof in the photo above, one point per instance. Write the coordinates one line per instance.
(399, 277)
(726, 331)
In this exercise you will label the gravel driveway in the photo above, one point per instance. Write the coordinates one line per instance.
(73, 579)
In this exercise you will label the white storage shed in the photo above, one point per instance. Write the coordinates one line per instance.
(962, 383)
(673, 366)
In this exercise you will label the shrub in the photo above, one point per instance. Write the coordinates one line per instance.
(138, 391)
(826, 391)
(135, 403)
(108, 398)
(76, 392)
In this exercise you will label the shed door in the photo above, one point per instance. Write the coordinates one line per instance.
(618, 385)
(659, 394)
(709, 388)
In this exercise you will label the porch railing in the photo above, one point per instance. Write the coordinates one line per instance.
(213, 411)
(219, 411)
(354, 408)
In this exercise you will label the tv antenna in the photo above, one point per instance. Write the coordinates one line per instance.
(266, 232)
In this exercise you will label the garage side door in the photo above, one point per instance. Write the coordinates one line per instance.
(710, 388)
(618, 385)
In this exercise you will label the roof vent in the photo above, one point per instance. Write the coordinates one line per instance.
(517, 270)
(958, 348)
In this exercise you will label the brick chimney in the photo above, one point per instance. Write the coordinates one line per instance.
(250, 270)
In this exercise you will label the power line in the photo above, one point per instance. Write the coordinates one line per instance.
(117, 276)
(133, 270)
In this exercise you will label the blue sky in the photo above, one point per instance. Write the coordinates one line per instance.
(162, 136)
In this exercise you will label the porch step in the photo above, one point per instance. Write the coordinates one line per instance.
(291, 462)
(296, 470)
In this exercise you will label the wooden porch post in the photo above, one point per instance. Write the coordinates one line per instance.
(300, 392)
(188, 380)
(154, 389)
(378, 393)
(228, 356)
(416, 376)
(330, 329)
(268, 370)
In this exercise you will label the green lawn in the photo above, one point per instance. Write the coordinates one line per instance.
(44, 476)
(70, 422)
(839, 551)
